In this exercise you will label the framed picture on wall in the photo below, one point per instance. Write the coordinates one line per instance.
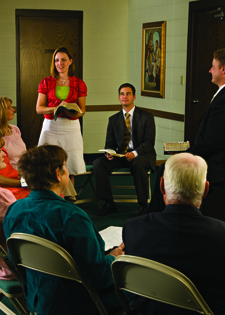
(153, 59)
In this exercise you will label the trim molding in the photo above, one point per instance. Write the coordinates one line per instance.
(156, 113)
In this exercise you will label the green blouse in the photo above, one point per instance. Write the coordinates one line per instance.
(62, 92)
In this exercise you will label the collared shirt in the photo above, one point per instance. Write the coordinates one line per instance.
(222, 86)
(131, 146)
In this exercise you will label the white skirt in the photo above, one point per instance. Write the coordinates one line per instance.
(66, 134)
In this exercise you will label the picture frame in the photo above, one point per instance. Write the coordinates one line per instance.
(153, 59)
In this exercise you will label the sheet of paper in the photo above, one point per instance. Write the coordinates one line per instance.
(112, 236)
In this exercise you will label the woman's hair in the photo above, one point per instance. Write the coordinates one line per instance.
(38, 166)
(2, 142)
(5, 103)
(54, 72)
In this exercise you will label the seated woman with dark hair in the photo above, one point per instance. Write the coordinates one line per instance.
(44, 213)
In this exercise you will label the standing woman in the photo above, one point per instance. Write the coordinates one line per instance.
(63, 86)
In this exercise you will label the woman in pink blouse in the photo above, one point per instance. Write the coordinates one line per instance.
(14, 144)
(63, 86)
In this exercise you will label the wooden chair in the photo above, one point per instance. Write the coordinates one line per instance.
(156, 281)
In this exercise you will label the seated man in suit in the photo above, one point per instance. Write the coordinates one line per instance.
(181, 237)
(130, 132)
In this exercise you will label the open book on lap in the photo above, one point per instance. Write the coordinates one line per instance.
(71, 107)
(112, 152)
(112, 236)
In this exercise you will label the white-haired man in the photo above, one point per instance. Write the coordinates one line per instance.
(180, 236)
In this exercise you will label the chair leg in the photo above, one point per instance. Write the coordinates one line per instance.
(21, 305)
(94, 191)
(82, 187)
(149, 189)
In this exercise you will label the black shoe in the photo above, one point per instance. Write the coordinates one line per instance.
(109, 207)
(142, 210)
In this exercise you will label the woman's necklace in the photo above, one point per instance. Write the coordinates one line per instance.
(9, 131)
(64, 81)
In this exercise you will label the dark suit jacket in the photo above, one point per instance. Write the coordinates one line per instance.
(210, 140)
(182, 238)
(143, 133)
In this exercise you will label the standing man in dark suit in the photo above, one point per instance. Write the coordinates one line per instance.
(210, 138)
(136, 140)
(181, 237)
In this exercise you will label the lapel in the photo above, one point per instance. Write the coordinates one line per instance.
(221, 92)
(120, 124)
(136, 117)
(212, 103)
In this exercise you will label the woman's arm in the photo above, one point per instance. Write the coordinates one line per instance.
(41, 107)
(9, 182)
(81, 103)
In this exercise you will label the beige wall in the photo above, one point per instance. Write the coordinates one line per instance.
(175, 13)
(112, 55)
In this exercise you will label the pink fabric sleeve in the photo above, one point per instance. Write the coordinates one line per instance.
(6, 199)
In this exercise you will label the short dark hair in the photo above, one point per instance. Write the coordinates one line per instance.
(38, 165)
(54, 72)
(127, 85)
(219, 55)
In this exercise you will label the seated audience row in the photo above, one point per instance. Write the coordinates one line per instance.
(46, 214)
(180, 237)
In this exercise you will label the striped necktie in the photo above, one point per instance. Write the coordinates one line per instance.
(126, 138)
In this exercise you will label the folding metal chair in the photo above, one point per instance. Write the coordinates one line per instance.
(80, 188)
(12, 289)
(39, 254)
(156, 281)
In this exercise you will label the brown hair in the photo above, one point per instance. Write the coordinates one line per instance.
(54, 72)
(3, 115)
(219, 55)
(38, 165)
(124, 85)
(2, 142)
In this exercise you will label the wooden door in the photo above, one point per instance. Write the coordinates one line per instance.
(39, 34)
(205, 35)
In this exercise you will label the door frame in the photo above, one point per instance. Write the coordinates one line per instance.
(44, 13)
(194, 8)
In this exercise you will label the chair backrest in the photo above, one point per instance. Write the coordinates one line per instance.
(156, 281)
(39, 254)
(9, 264)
